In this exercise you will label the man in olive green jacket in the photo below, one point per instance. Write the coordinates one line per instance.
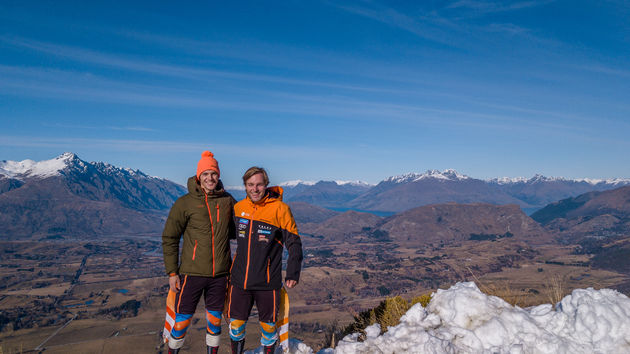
(204, 217)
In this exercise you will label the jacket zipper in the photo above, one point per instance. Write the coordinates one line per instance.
(218, 215)
(194, 250)
(212, 230)
(249, 245)
(268, 263)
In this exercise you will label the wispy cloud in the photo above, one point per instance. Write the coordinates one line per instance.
(103, 127)
(435, 29)
(242, 149)
(598, 68)
(179, 71)
(74, 86)
(483, 7)
(450, 24)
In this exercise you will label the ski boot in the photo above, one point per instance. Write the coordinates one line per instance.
(238, 347)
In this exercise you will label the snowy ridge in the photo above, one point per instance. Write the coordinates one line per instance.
(354, 183)
(611, 181)
(462, 319)
(30, 168)
(119, 171)
(235, 188)
(448, 174)
(296, 182)
(64, 162)
(541, 178)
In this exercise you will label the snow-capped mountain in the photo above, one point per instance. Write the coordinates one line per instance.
(449, 175)
(411, 190)
(33, 169)
(402, 192)
(537, 178)
(67, 195)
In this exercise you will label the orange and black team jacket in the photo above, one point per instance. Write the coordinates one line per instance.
(262, 230)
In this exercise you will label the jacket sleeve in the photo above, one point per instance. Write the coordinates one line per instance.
(173, 229)
(293, 243)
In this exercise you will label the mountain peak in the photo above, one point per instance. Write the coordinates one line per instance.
(68, 156)
(41, 169)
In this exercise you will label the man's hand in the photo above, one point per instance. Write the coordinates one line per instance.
(290, 283)
(173, 282)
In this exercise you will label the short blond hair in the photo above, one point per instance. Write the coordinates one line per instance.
(255, 170)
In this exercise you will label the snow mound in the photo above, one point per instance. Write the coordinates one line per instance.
(462, 319)
(295, 347)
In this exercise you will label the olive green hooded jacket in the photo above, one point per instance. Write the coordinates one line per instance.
(206, 222)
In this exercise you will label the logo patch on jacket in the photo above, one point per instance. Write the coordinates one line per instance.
(242, 224)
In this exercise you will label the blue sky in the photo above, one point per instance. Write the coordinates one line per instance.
(320, 89)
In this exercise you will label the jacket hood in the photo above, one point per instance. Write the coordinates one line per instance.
(195, 189)
(275, 192)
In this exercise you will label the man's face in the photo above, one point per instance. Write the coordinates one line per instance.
(208, 180)
(255, 187)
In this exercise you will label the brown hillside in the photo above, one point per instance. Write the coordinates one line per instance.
(343, 225)
(461, 222)
(305, 213)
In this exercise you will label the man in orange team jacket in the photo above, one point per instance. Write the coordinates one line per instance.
(264, 225)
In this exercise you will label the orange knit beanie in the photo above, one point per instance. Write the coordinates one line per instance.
(207, 162)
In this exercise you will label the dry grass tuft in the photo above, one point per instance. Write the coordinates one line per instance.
(555, 289)
(422, 299)
(386, 314)
(505, 291)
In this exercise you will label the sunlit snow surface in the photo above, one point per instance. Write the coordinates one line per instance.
(462, 319)
(30, 168)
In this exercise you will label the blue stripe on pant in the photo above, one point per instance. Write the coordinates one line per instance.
(213, 321)
(237, 329)
(268, 332)
(182, 322)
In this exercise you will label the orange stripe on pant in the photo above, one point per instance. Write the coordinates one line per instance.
(181, 292)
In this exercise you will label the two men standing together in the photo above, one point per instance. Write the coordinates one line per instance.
(207, 217)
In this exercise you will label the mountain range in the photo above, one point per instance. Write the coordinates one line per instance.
(69, 196)
(398, 193)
